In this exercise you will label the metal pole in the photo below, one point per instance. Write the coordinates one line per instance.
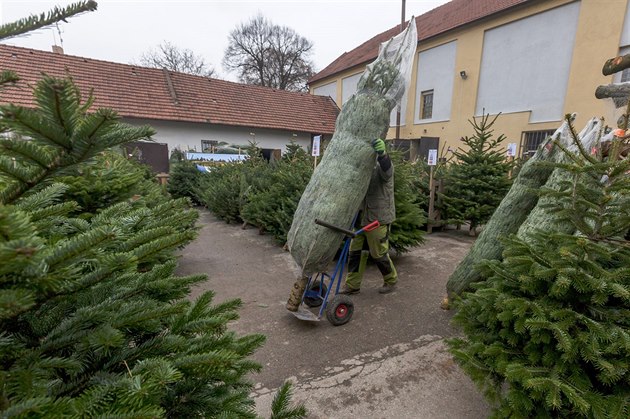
(431, 201)
(402, 28)
(402, 16)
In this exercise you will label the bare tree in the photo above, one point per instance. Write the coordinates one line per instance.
(173, 58)
(269, 55)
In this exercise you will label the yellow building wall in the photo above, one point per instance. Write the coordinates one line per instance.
(597, 39)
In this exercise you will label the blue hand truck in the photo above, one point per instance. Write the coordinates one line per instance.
(320, 285)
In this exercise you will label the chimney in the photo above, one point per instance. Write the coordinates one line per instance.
(57, 49)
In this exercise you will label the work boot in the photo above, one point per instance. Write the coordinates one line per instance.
(349, 291)
(386, 288)
(295, 297)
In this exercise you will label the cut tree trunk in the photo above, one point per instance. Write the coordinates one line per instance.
(616, 64)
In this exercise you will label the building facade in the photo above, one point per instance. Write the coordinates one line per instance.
(188, 112)
(533, 61)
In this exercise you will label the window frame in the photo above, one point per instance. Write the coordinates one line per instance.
(424, 114)
(526, 151)
(208, 144)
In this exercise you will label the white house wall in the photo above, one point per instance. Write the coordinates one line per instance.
(187, 135)
(329, 89)
(525, 65)
(436, 67)
(349, 87)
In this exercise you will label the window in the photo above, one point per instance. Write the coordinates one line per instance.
(531, 140)
(426, 104)
(208, 146)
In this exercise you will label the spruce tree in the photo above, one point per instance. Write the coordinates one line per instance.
(548, 333)
(477, 182)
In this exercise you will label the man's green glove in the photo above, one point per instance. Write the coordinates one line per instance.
(379, 146)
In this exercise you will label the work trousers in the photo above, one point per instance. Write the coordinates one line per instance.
(377, 242)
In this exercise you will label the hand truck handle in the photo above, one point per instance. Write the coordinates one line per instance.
(372, 226)
(334, 227)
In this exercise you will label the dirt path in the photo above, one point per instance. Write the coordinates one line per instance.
(389, 361)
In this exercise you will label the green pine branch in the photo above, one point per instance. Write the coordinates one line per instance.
(34, 22)
(281, 405)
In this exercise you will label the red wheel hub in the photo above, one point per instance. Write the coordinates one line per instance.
(341, 311)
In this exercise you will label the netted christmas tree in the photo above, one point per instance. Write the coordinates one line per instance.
(477, 182)
(547, 334)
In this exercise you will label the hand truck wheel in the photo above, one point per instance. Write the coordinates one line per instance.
(320, 289)
(339, 310)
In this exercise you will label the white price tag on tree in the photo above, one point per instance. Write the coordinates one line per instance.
(511, 149)
(316, 141)
(432, 158)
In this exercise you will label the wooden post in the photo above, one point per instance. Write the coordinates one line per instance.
(431, 201)
(162, 178)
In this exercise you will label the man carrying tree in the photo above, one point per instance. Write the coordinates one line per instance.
(378, 204)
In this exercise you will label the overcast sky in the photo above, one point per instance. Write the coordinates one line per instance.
(121, 31)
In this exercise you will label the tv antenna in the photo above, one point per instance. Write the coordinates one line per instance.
(58, 34)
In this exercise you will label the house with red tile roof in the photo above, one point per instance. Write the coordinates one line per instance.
(533, 61)
(189, 112)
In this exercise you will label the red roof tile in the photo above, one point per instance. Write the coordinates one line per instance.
(140, 92)
(435, 22)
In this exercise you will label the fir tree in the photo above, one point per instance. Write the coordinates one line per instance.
(185, 181)
(478, 181)
(93, 320)
(254, 175)
(548, 332)
(406, 231)
(110, 178)
(276, 191)
(220, 191)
